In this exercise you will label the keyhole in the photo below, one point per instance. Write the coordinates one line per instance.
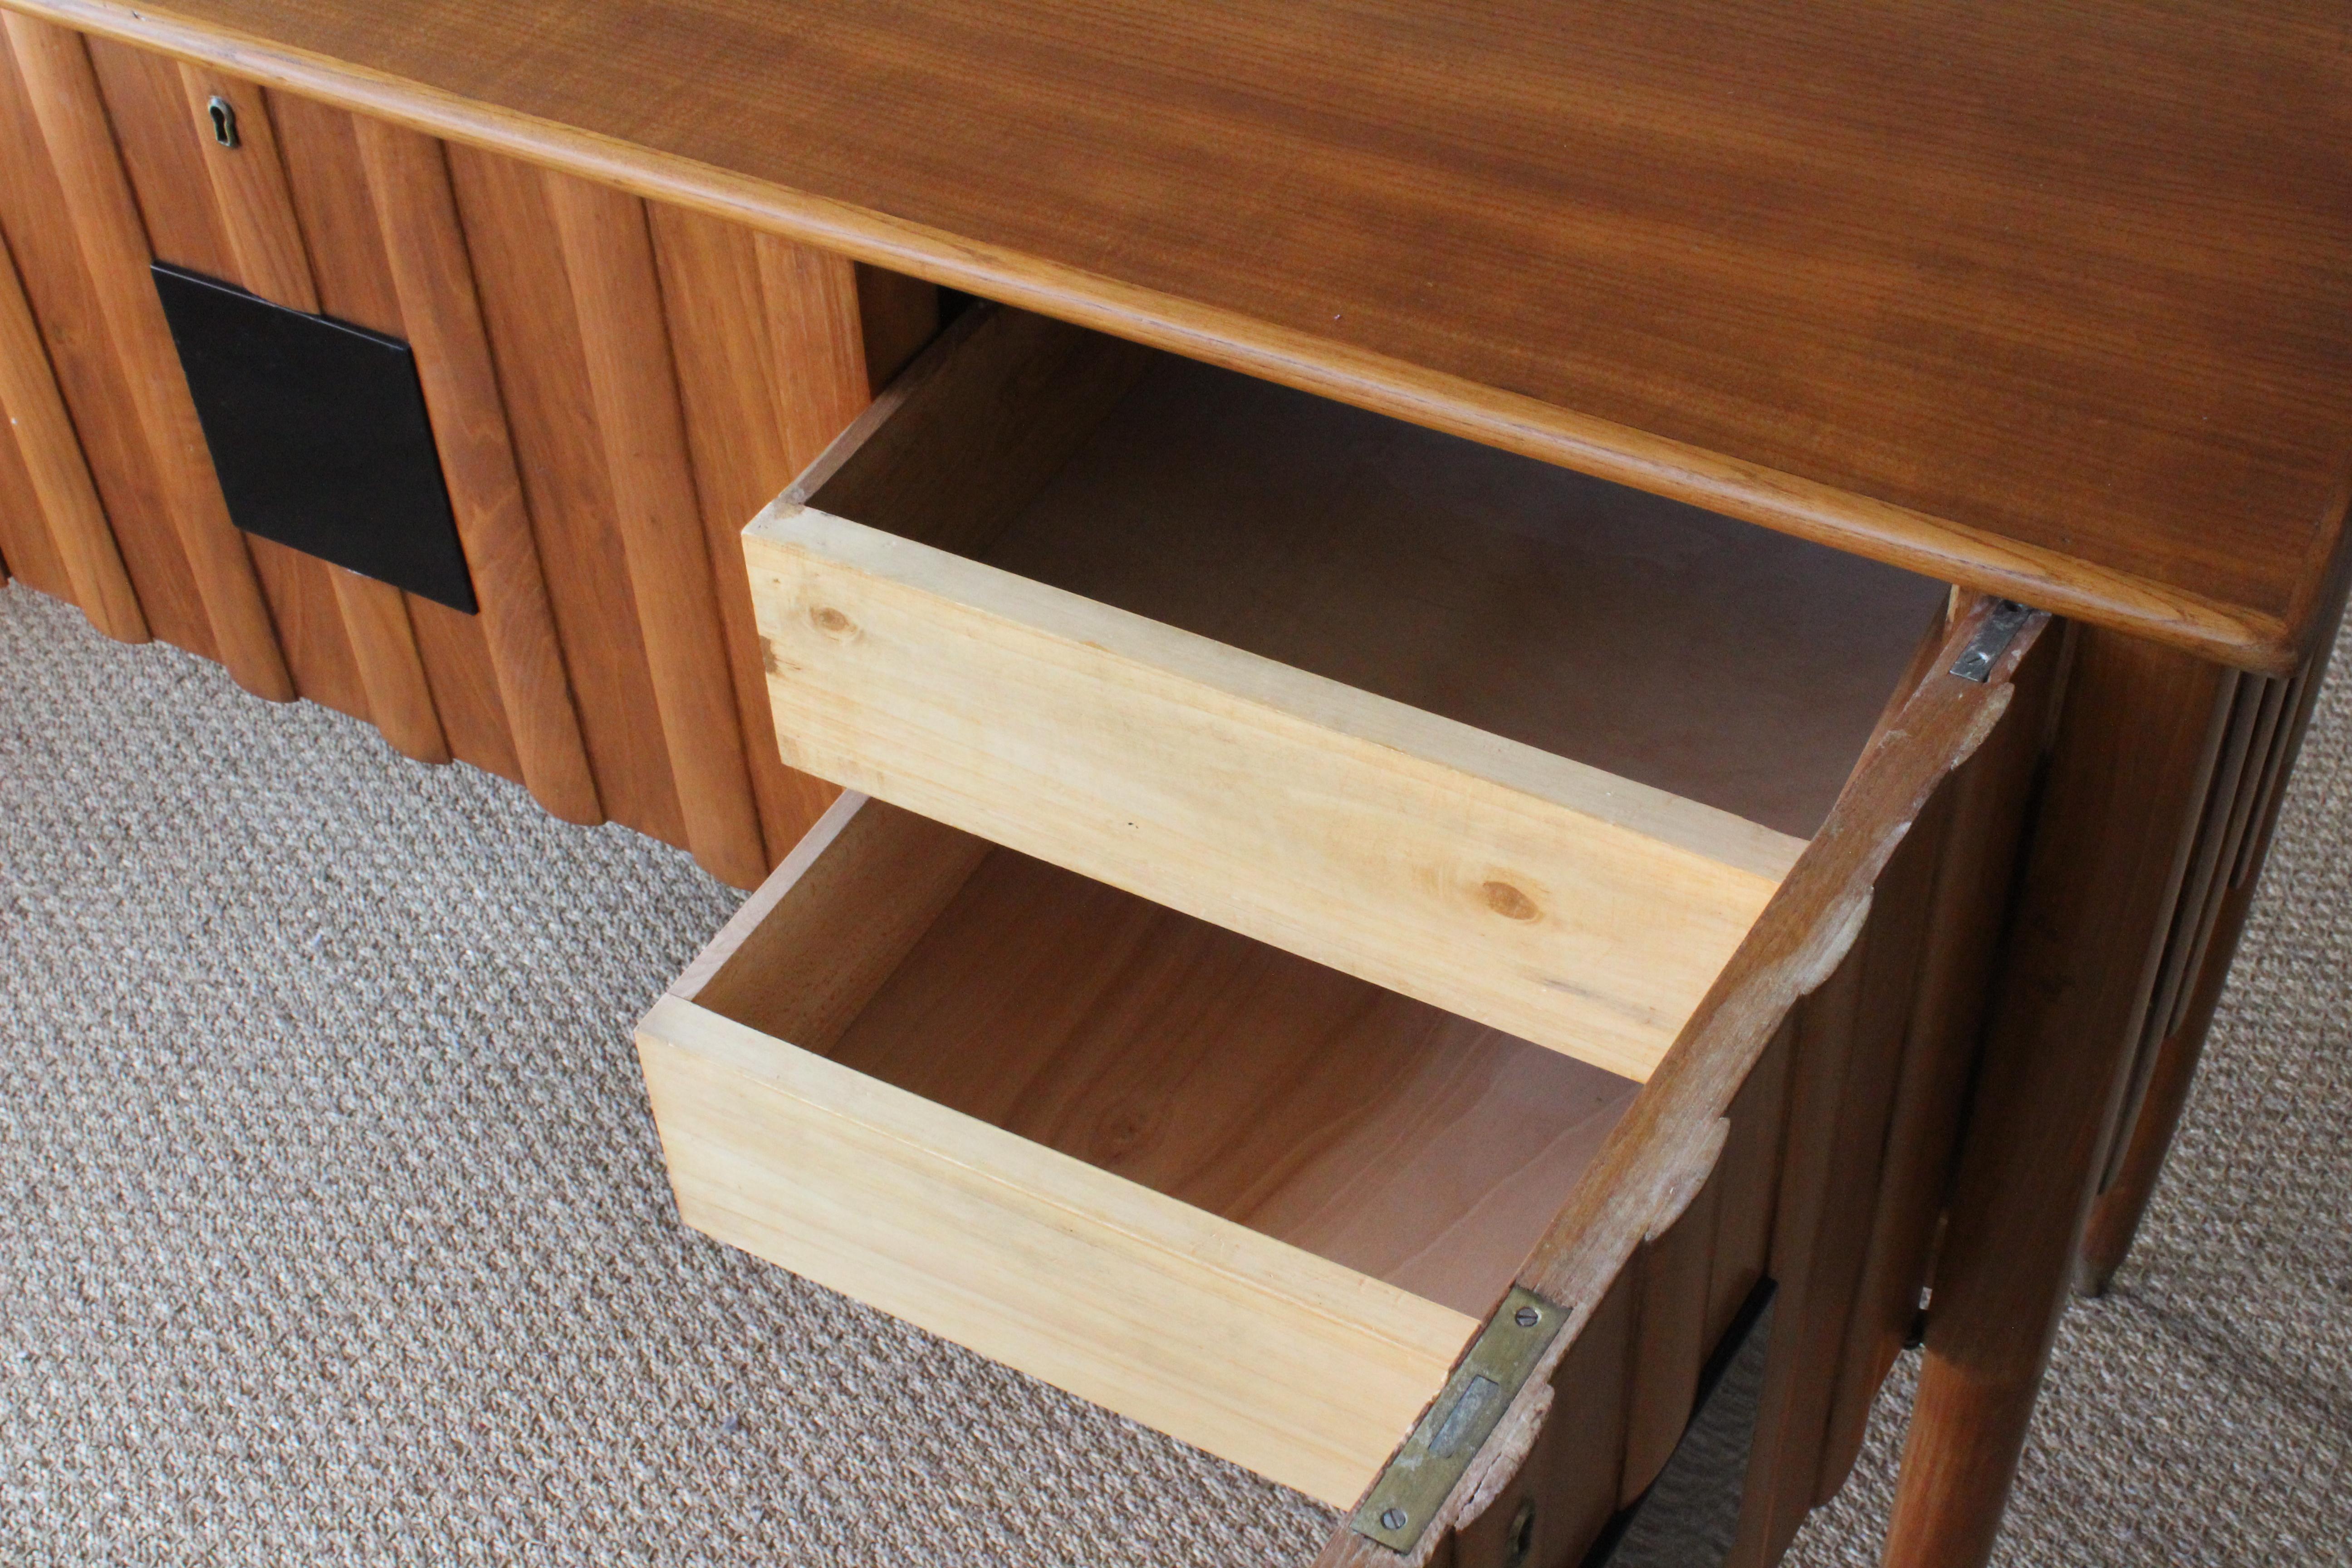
(224, 115)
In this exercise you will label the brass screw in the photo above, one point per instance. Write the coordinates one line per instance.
(1526, 1317)
(1394, 1519)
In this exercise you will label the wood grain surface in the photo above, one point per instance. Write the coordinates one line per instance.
(1797, 969)
(2126, 784)
(2042, 297)
(65, 509)
(606, 250)
(70, 120)
(1291, 1160)
(91, 375)
(1524, 745)
(253, 208)
(498, 677)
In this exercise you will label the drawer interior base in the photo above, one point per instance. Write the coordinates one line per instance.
(1381, 1133)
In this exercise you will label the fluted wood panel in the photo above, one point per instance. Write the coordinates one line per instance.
(66, 125)
(58, 529)
(605, 247)
(1984, 813)
(615, 388)
(1829, 1180)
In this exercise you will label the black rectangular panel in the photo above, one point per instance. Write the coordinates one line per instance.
(319, 433)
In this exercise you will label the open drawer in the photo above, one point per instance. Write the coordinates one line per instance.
(1524, 745)
(1252, 1202)
(1266, 1206)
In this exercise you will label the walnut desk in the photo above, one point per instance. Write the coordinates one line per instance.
(1494, 532)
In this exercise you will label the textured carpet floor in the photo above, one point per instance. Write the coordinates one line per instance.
(335, 1229)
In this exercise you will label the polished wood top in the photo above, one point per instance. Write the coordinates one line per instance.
(2050, 298)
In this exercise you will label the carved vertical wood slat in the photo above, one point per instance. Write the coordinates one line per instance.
(423, 249)
(747, 448)
(90, 374)
(1670, 1343)
(2124, 788)
(2194, 902)
(185, 227)
(1750, 1173)
(62, 92)
(26, 553)
(608, 254)
(1891, 950)
(1821, 1051)
(66, 515)
(1987, 802)
(331, 201)
(2114, 1217)
(254, 210)
(542, 379)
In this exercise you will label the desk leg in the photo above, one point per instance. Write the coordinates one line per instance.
(2124, 789)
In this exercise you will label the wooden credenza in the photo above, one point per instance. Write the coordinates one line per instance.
(1407, 816)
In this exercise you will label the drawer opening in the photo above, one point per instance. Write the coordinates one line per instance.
(1524, 745)
(1384, 1134)
(1254, 1203)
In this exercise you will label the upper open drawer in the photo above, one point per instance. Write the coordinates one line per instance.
(1525, 745)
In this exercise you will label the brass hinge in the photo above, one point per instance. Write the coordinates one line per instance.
(1416, 1483)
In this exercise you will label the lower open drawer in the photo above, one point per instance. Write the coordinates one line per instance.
(1257, 1204)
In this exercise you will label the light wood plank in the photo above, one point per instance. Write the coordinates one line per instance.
(1236, 1099)
(1579, 910)
(1300, 1369)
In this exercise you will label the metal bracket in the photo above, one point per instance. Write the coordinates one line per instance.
(1409, 1493)
(1992, 639)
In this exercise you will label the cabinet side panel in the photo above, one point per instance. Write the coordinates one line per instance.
(1890, 952)
(738, 382)
(607, 248)
(92, 375)
(1987, 801)
(185, 227)
(332, 196)
(542, 376)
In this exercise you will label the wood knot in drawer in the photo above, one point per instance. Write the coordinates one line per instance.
(1509, 901)
(832, 622)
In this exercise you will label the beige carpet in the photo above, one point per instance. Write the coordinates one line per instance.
(335, 1228)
